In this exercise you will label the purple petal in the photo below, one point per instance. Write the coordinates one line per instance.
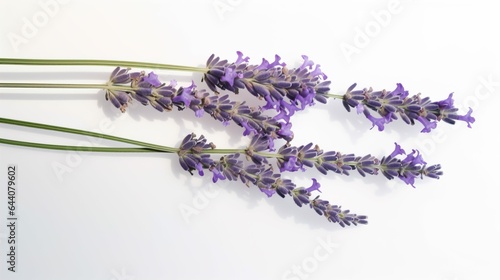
(264, 65)
(447, 103)
(400, 91)
(360, 108)
(276, 62)
(248, 128)
(408, 179)
(290, 165)
(379, 122)
(217, 175)
(307, 63)
(152, 79)
(199, 167)
(268, 192)
(240, 58)
(315, 186)
(414, 160)
(229, 75)
(285, 131)
(468, 118)
(317, 72)
(428, 125)
(186, 95)
(397, 151)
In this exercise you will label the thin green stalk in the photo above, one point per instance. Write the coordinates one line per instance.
(99, 62)
(50, 85)
(89, 133)
(77, 148)
(150, 147)
(336, 96)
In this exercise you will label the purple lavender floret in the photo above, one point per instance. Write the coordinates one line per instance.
(409, 168)
(391, 104)
(258, 144)
(119, 98)
(335, 214)
(191, 156)
(229, 166)
(152, 79)
(283, 89)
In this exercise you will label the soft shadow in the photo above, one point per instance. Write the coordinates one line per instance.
(357, 124)
(284, 207)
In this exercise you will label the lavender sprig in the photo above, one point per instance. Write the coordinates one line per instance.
(292, 158)
(125, 86)
(391, 104)
(194, 154)
(289, 91)
(284, 90)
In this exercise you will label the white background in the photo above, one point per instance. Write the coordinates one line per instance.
(110, 216)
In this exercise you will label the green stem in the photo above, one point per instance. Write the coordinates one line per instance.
(89, 133)
(336, 96)
(148, 146)
(79, 86)
(98, 62)
(76, 148)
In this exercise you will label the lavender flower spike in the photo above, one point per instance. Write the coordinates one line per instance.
(392, 166)
(283, 89)
(147, 89)
(391, 104)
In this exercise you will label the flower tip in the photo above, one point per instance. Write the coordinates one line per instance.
(268, 192)
(397, 151)
(351, 87)
(152, 79)
(360, 108)
(314, 187)
(307, 63)
(470, 118)
(240, 58)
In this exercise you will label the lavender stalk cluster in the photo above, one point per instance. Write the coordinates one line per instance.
(194, 155)
(397, 103)
(124, 86)
(286, 91)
